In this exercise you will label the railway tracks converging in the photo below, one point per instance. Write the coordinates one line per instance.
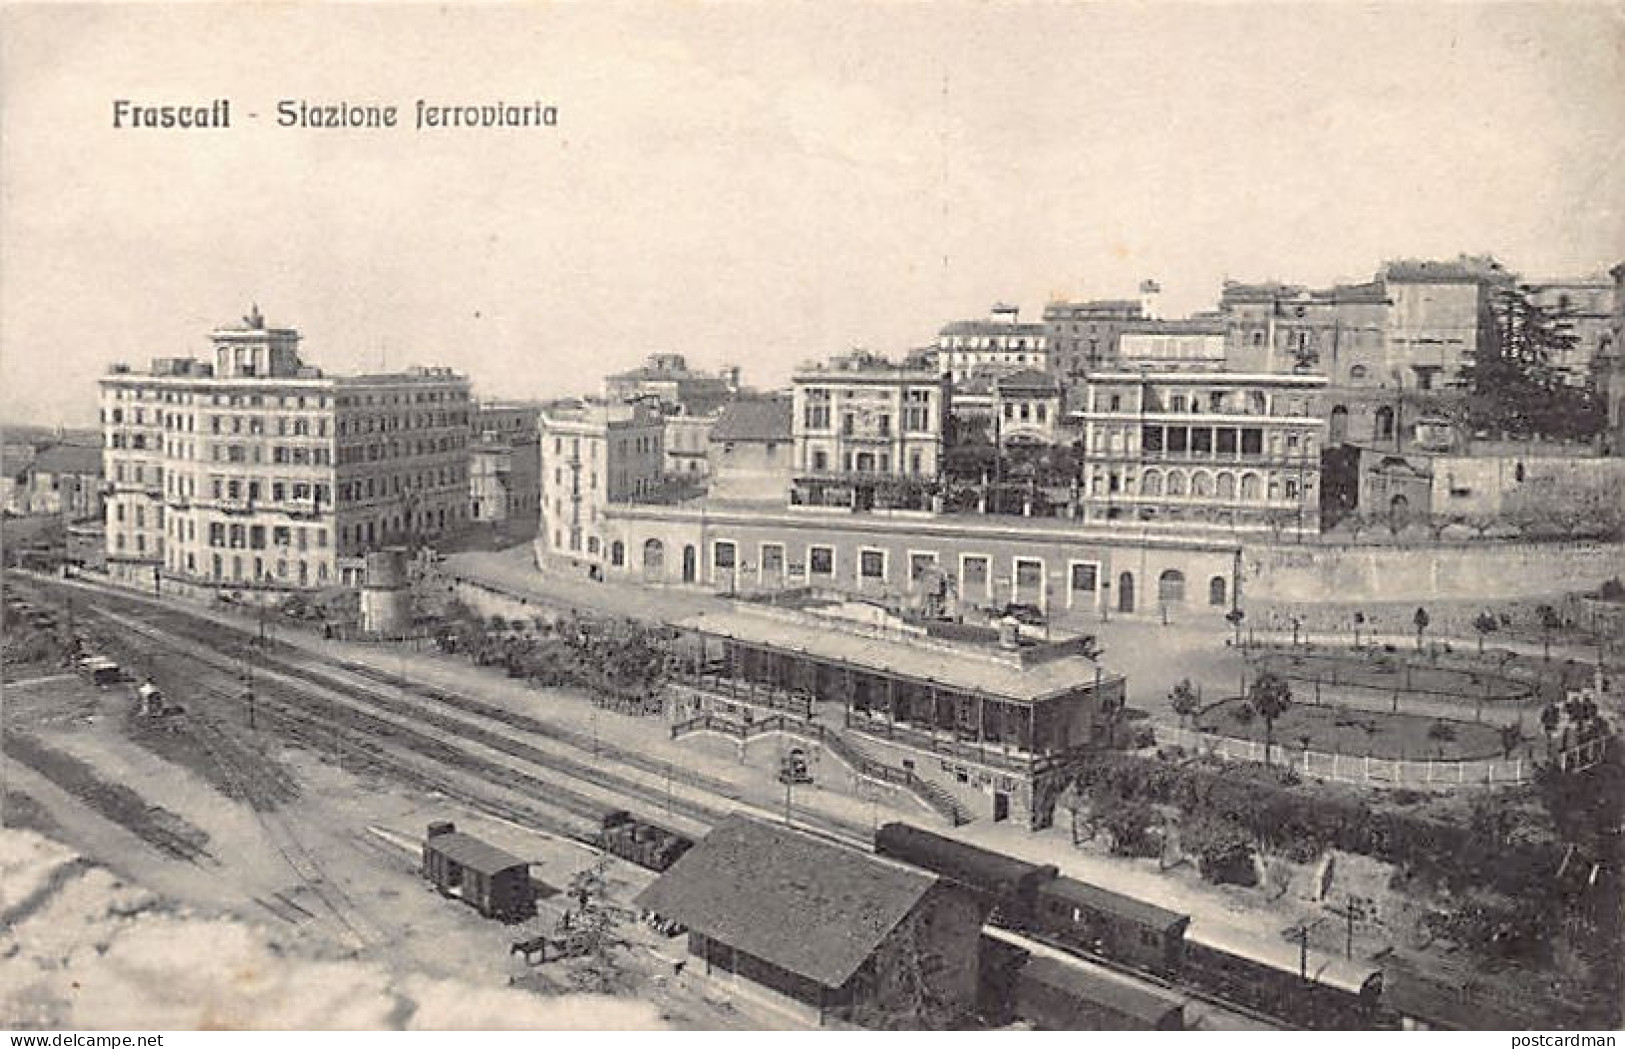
(495, 760)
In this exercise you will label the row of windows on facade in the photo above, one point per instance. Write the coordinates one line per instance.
(1026, 411)
(864, 462)
(1201, 485)
(1200, 440)
(368, 533)
(218, 400)
(254, 537)
(1028, 574)
(372, 453)
(1212, 402)
(183, 487)
(991, 342)
(644, 444)
(284, 570)
(915, 420)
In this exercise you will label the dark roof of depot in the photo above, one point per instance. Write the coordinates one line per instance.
(68, 459)
(473, 853)
(1108, 902)
(808, 906)
(765, 419)
(1119, 993)
(976, 868)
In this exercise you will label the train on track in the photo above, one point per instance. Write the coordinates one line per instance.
(1044, 905)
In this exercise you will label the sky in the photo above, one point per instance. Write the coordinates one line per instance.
(763, 183)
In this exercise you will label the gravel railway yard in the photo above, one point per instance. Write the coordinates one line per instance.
(292, 779)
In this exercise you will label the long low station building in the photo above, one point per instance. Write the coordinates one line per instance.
(993, 718)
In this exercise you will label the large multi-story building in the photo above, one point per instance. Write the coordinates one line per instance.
(593, 455)
(504, 470)
(1608, 371)
(1204, 449)
(256, 471)
(999, 344)
(867, 432)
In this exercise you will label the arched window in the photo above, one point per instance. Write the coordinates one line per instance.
(1216, 591)
(1171, 587)
(1226, 488)
(1176, 482)
(654, 556)
(1385, 423)
(1201, 485)
(1249, 487)
(1151, 483)
(617, 553)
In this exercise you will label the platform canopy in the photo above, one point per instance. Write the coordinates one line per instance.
(931, 662)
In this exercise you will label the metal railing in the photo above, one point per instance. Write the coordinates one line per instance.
(1362, 769)
(934, 797)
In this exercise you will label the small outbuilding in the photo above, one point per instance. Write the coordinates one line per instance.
(493, 882)
(822, 930)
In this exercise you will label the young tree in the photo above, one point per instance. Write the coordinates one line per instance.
(1486, 624)
(1183, 700)
(1269, 695)
(596, 927)
(1421, 619)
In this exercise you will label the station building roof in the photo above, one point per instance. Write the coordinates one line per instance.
(917, 659)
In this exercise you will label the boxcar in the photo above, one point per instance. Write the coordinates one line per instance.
(1010, 886)
(491, 881)
(1086, 917)
(1055, 996)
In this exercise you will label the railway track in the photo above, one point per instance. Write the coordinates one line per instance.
(322, 704)
(387, 710)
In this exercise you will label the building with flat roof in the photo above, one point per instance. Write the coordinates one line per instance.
(1204, 449)
(505, 462)
(259, 473)
(866, 432)
(999, 343)
(595, 455)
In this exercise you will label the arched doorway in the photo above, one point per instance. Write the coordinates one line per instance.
(1339, 429)
(1398, 508)
(1217, 591)
(689, 560)
(1125, 592)
(1171, 587)
(654, 559)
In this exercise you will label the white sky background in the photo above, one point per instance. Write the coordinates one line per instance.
(764, 183)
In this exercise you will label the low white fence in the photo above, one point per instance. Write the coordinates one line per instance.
(1351, 768)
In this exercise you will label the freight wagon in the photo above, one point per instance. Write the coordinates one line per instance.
(491, 881)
